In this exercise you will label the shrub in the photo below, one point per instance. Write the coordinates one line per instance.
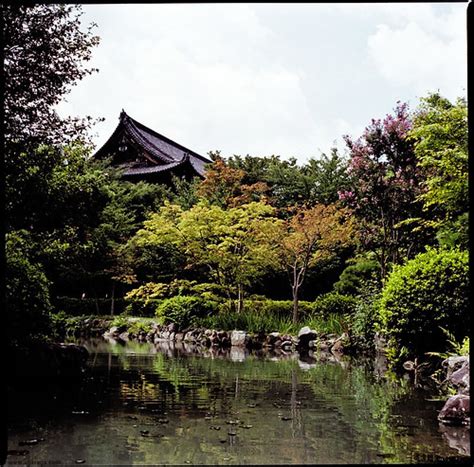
(334, 303)
(365, 316)
(353, 277)
(27, 294)
(426, 294)
(185, 311)
(144, 300)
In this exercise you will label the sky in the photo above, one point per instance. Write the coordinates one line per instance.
(263, 79)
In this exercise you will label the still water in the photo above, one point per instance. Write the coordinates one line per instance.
(145, 404)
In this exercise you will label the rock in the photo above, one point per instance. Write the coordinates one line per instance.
(304, 336)
(272, 338)
(238, 338)
(460, 378)
(409, 365)
(178, 337)
(237, 354)
(338, 347)
(456, 411)
(458, 438)
(171, 336)
(165, 335)
(172, 327)
(453, 364)
(286, 345)
(123, 336)
(277, 343)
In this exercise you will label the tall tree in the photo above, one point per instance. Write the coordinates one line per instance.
(440, 135)
(385, 187)
(44, 55)
(309, 236)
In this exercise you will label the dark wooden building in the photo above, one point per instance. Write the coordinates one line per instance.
(144, 154)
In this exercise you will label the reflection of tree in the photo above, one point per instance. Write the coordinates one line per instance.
(334, 410)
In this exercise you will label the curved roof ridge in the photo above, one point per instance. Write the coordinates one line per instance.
(164, 138)
(130, 125)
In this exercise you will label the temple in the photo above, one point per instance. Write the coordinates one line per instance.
(144, 154)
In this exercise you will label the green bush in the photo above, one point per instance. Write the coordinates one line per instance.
(144, 300)
(426, 294)
(353, 277)
(185, 311)
(364, 319)
(27, 296)
(334, 303)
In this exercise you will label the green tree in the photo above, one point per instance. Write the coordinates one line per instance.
(440, 136)
(26, 291)
(234, 245)
(45, 51)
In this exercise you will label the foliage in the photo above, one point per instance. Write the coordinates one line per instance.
(27, 294)
(364, 319)
(352, 278)
(440, 133)
(144, 300)
(334, 303)
(386, 184)
(251, 321)
(288, 184)
(234, 245)
(279, 308)
(329, 324)
(312, 234)
(223, 186)
(456, 347)
(426, 294)
(44, 55)
(184, 310)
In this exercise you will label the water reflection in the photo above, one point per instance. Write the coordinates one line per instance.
(177, 403)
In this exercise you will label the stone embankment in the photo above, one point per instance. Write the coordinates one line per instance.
(306, 342)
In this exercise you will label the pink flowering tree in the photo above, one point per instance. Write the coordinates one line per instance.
(385, 187)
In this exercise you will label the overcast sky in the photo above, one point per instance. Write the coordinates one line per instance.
(286, 79)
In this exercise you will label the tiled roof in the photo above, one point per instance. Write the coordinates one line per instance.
(167, 154)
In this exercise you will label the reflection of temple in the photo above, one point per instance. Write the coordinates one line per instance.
(144, 154)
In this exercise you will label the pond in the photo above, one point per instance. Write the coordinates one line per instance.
(146, 404)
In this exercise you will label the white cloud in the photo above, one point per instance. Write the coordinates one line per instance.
(266, 79)
(423, 55)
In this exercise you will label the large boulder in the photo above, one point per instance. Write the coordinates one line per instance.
(456, 411)
(304, 336)
(452, 364)
(460, 378)
(238, 338)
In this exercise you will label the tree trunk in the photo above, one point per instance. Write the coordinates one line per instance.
(112, 302)
(240, 298)
(295, 303)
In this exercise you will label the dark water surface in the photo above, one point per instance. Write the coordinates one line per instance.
(142, 404)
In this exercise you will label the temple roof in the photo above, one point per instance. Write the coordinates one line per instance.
(161, 153)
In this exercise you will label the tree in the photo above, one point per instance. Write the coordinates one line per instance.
(310, 235)
(386, 185)
(235, 245)
(328, 176)
(224, 185)
(44, 55)
(440, 136)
